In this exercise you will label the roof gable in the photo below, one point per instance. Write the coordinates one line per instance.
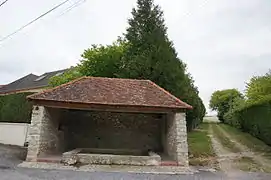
(22, 83)
(30, 81)
(111, 91)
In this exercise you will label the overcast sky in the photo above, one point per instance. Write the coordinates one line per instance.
(223, 42)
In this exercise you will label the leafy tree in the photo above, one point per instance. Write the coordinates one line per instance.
(103, 61)
(222, 101)
(99, 60)
(231, 116)
(69, 75)
(259, 87)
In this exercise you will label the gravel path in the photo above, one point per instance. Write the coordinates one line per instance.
(258, 158)
(225, 157)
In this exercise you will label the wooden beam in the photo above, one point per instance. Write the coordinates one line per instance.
(102, 107)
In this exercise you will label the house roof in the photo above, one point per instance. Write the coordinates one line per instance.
(113, 92)
(30, 81)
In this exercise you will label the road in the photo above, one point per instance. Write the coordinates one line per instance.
(10, 171)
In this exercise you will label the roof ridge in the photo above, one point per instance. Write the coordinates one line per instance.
(22, 78)
(78, 79)
(171, 95)
(127, 79)
(54, 88)
(49, 72)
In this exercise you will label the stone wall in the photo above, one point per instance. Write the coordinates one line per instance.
(175, 141)
(55, 131)
(43, 133)
(112, 130)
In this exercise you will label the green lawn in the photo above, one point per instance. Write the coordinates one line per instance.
(201, 152)
(248, 140)
(225, 141)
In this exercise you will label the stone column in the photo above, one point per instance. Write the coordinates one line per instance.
(181, 139)
(43, 134)
(176, 138)
(34, 134)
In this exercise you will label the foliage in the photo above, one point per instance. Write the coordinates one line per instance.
(103, 61)
(144, 53)
(255, 119)
(231, 117)
(259, 87)
(99, 60)
(223, 100)
(69, 75)
(151, 55)
(15, 108)
(253, 114)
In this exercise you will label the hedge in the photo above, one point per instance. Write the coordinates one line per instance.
(254, 118)
(15, 108)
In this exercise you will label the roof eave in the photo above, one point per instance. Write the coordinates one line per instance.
(105, 107)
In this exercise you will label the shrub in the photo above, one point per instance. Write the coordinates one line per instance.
(255, 118)
(15, 108)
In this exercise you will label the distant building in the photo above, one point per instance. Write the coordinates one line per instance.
(29, 83)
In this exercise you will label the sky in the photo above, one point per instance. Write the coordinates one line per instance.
(223, 42)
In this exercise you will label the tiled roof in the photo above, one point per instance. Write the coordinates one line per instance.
(111, 91)
(29, 81)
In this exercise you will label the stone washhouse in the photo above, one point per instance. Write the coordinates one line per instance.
(108, 121)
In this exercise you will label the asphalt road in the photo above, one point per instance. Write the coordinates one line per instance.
(9, 171)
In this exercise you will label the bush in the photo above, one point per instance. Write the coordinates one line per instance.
(15, 108)
(255, 118)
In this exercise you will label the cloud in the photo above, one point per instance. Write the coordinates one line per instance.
(224, 43)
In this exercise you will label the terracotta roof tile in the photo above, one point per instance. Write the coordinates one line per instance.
(111, 91)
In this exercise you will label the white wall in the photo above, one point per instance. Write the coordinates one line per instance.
(13, 133)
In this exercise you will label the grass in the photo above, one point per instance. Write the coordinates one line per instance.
(248, 140)
(249, 165)
(225, 141)
(201, 152)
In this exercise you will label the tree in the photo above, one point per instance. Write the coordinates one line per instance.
(222, 101)
(144, 53)
(259, 87)
(99, 60)
(104, 61)
(151, 55)
(69, 75)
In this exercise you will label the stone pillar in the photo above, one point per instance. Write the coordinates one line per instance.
(181, 139)
(43, 134)
(176, 138)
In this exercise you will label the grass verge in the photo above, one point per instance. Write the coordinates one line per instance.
(249, 165)
(248, 140)
(225, 141)
(201, 152)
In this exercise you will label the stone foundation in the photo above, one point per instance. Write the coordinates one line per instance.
(152, 159)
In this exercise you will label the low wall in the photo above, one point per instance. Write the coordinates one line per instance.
(13, 133)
